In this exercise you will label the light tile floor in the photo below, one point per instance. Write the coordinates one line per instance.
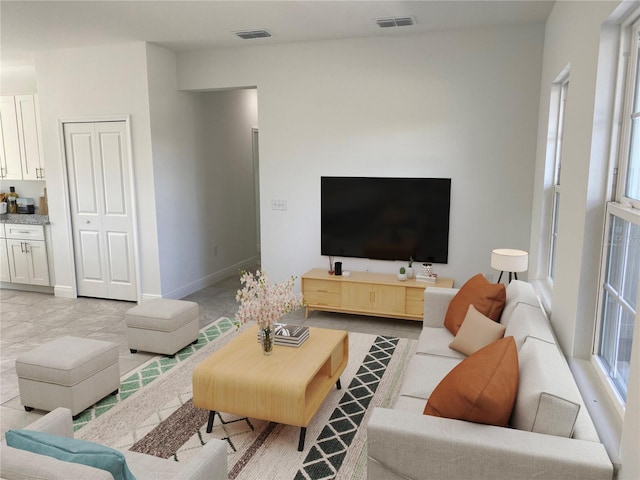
(29, 319)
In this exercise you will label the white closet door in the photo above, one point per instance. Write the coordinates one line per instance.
(99, 187)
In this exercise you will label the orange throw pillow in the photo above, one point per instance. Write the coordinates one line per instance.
(482, 388)
(488, 298)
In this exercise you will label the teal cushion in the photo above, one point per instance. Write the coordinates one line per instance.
(71, 450)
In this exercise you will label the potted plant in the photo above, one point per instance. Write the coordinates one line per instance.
(410, 270)
(265, 303)
(402, 275)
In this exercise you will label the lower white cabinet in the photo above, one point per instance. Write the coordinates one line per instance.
(4, 258)
(26, 254)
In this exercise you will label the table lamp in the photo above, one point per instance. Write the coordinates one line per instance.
(509, 260)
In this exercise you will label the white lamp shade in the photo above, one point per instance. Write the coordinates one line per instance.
(509, 260)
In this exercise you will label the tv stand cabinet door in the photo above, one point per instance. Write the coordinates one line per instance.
(357, 297)
(389, 299)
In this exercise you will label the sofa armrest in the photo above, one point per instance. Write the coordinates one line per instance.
(436, 303)
(16, 464)
(403, 445)
(209, 464)
(57, 422)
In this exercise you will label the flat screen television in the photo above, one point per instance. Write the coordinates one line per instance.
(386, 218)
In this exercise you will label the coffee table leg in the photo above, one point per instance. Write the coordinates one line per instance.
(338, 385)
(212, 415)
(303, 432)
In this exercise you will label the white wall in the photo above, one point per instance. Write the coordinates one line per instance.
(229, 203)
(17, 79)
(178, 163)
(203, 179)
(576, 36)
(451, 104)
(86, 83)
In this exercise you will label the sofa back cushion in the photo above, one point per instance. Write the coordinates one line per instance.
(518, 292)
(71, 450)
(548, 399)
(482, 388)
(528, 321)
(488, 298)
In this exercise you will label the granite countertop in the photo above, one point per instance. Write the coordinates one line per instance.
(25, 219)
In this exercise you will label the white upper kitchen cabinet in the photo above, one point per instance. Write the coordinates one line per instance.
(10, 158)
(19, 127)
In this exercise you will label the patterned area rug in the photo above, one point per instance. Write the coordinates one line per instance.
(133, 381)
(160, 418)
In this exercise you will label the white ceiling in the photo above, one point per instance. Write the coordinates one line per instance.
(30, 26)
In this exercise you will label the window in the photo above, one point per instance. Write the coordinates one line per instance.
(557, 110)
(618, 298)
(629, 169)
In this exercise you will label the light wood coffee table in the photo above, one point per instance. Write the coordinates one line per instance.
(287, 387)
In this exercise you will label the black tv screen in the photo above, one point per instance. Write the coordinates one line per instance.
(386, 218)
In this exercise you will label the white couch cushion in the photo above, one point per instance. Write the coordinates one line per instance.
(528, 321)
(435, 341)
(424, 373)
(406, 403)
(548, 399)
(518, 292)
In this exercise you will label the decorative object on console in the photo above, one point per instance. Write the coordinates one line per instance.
(427, 274)
(330, 265)
(402, 274)
(338, 268)
(288, 335)
(487, 298)
(410, 270)
(266, 303)
(509, 260)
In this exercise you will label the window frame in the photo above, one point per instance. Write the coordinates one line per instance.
(622, 207)
(630, 38)
(557, 115)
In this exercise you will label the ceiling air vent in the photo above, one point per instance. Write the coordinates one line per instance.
(395, 22)
(248, 34)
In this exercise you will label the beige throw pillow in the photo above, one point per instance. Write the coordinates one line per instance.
(476, 331)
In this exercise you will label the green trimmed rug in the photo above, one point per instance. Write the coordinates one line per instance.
(133, 381)
(159, 417)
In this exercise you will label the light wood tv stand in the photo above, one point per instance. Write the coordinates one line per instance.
(366, 293)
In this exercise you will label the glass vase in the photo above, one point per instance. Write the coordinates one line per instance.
(267, 340)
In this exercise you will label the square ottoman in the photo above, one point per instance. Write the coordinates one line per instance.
(162, 326)
(68, 372)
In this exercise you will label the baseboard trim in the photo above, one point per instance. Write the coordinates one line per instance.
(211, 279)
(25, 287)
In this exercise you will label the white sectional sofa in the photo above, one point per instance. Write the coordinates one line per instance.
(210, 463)
(403, 443)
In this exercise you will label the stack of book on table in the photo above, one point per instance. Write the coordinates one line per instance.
(288, 335)
(433, 278)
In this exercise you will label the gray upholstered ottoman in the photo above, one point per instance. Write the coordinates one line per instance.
(162, 326)
(68, 372)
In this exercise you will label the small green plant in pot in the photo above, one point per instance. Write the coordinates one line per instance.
(410, 270)
(402, 274)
